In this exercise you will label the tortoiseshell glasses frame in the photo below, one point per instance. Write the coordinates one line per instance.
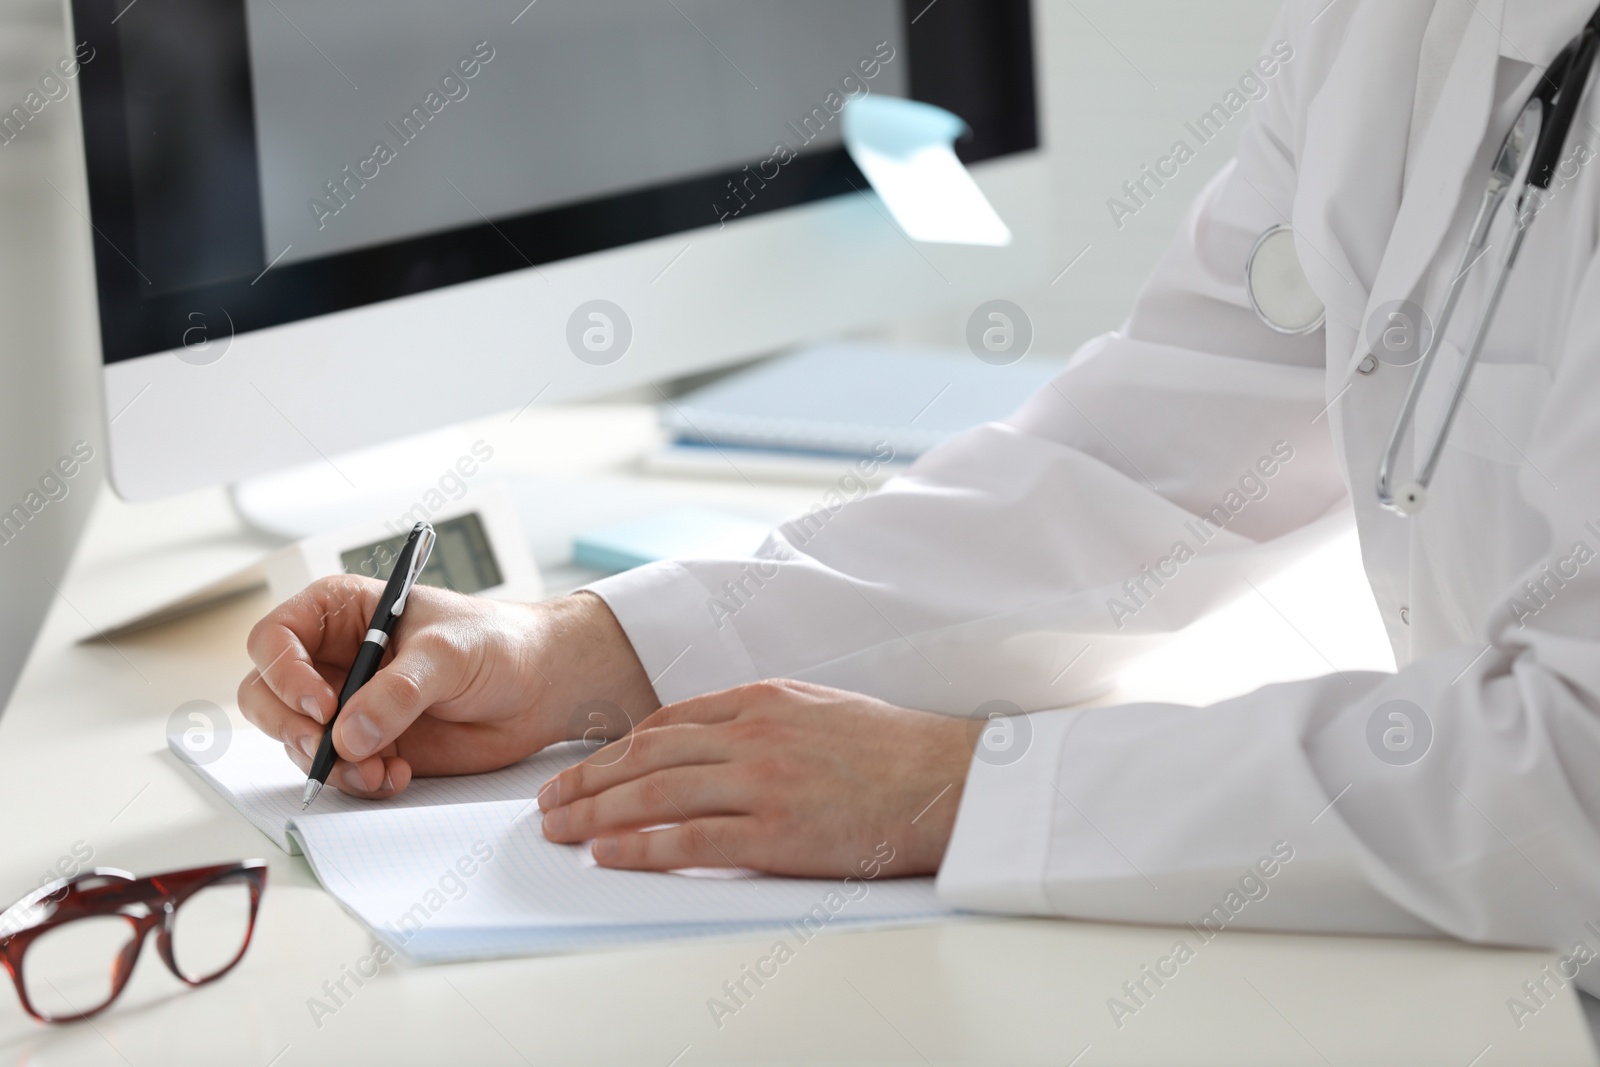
(146, 904)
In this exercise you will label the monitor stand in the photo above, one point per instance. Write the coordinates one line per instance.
(568, 473)
(353, 488)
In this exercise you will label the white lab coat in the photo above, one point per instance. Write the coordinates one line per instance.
(983, 572)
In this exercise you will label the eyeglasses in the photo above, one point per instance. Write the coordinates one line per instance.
(71, 944)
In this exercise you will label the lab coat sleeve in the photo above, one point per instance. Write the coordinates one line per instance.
(1026, 560)
(1457, 796)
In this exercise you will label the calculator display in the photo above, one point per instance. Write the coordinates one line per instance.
(462, 558)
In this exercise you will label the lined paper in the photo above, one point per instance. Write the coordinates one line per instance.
(458, 868)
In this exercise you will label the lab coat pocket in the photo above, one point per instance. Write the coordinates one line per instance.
(1498, 415)
(1501, 410)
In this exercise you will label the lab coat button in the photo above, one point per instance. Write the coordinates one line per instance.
(1368, 365)
(1405, 616)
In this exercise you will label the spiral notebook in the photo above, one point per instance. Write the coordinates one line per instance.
(458, 868)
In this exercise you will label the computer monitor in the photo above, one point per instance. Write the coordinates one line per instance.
(319, 226)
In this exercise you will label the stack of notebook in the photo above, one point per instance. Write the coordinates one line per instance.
(848, 399)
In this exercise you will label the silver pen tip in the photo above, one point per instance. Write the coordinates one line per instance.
(313, 787)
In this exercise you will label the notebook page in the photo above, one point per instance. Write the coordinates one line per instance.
(255, 776)
(480, 880)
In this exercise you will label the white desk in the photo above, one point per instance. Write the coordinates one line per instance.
(82, 759)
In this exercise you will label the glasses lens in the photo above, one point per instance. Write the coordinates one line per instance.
(70, 969)
(209, 930)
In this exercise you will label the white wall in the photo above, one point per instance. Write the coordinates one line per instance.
(49, 375)
(1119, 79)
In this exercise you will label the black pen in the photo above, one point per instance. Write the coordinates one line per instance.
(413, 557)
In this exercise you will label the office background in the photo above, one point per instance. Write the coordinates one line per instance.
(1120, 80)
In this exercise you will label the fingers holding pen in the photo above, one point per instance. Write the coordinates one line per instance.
(267, 712)
(368, 731)
(289, 643)
(420, 676)
(375, 778)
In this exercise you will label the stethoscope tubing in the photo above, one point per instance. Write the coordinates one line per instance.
(1493, 196)
(1553, 107)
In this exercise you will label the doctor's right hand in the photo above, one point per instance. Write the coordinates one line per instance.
(469, 685)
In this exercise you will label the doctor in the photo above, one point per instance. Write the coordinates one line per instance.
(1172, 462)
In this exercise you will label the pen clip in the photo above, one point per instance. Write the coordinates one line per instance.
(419, 560)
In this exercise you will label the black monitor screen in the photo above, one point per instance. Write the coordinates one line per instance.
(289, 158)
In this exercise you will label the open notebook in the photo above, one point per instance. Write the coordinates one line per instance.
(457, 868)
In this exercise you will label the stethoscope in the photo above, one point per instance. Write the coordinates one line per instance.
(1283, 299)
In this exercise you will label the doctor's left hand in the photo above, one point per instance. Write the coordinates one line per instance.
(784, 777)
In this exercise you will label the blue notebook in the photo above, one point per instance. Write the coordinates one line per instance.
(847, 397)
(678, 533)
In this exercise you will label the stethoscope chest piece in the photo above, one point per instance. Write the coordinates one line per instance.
(1279, 291)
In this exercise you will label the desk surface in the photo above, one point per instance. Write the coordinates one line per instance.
(83, 765)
